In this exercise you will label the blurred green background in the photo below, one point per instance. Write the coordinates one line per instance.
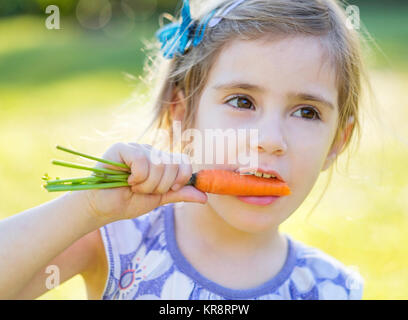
(80, 87)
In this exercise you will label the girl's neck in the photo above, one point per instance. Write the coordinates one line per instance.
(210, 232)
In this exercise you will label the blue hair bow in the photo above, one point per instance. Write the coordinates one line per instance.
(176, 38)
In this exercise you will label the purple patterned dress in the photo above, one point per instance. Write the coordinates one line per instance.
(146, 263)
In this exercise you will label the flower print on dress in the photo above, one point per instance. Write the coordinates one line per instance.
(323, 268)
(208, 295)
(148, 297)
(303, 279)
(155, 237)
(284, 290)
(144, 268)
(272, 296)
(178, 286)
(330, 291)
(132, 275)
(123, 245)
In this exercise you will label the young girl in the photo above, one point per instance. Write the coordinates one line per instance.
(290, 69)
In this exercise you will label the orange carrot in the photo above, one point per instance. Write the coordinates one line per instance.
(233, 183)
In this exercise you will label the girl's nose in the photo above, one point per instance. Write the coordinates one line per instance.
(271, 139)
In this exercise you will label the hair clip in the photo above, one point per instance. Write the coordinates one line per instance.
(177, 38)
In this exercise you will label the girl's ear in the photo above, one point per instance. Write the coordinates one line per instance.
(178, 106)
(338, 146)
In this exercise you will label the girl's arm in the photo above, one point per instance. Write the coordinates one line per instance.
(86, 257)
(29, 241)
(36, 238)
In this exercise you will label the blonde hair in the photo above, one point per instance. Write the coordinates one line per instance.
(254, 19)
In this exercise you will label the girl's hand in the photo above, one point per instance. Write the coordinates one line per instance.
(151, 184)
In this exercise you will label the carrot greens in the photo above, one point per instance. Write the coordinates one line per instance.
(100, 178)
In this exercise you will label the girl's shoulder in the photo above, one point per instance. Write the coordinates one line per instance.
(332, 278)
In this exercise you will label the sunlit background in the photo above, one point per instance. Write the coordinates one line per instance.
(80, 87)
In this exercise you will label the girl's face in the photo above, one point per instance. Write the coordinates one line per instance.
(286, 90)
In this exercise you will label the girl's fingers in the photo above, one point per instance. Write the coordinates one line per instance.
(167, 180)
(133, 156)
(140, 165)
(111, 154)
(150, 184)
(155, 173)
(184, 172)
(152, 171)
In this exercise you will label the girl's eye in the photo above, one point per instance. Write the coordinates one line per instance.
(307, 113)
(242, 102)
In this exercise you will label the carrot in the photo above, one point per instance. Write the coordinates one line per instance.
(233, 183)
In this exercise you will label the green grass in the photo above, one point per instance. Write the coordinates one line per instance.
(386, 24)
(36, 56)
(68, 87)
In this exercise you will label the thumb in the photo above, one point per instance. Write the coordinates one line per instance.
(186, 194)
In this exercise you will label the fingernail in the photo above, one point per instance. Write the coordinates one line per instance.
(175, 187)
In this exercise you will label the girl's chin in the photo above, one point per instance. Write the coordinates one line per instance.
(243, 216)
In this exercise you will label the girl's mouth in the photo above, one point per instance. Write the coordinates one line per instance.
(258, 200)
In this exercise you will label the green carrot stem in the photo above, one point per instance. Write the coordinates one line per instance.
(104, 175)
(77, 166)
(113, 178)
(86, 179)
(55, 188)
(114, 163)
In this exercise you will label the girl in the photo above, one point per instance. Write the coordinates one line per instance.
(291, 70)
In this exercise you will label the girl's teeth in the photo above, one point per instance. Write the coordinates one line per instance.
(259, 174)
